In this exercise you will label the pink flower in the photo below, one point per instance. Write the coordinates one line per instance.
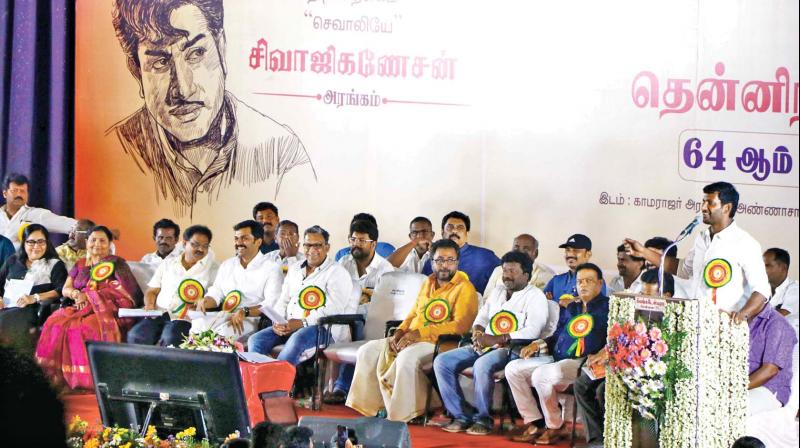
(640, 328)
(660, 348)
(615, 331)
(655, 333)
(645, 354)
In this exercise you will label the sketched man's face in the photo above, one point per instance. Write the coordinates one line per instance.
(183, 82)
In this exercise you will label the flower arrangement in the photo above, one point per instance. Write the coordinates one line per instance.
(209, 341)
(641, 357)
(79, 435)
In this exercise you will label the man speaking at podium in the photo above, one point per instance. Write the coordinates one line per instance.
(725, 264)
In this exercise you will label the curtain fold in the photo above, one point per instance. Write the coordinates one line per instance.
(36, 98)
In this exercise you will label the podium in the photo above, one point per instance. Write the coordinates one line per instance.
(709, 409)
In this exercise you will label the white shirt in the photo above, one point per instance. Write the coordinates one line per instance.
(786, 297)
(9, 227)
(154, 260)
(413, 262)
(376, 268)
(171, 273)
(285, 262)
(540, 275)
(335, 283)
(260, 282)
(743, 253)
(617, 284)
(529, 306)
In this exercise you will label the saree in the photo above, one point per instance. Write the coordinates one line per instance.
(61, 351)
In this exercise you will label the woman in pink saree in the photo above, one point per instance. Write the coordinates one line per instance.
(100, 285)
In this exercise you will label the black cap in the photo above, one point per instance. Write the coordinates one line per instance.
(578, 241)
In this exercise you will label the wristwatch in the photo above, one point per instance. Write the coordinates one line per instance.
(246, 312)
(37, 297)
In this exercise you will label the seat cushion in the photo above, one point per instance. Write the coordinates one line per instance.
(343, 352)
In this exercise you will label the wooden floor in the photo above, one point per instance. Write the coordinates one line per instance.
(85, 405)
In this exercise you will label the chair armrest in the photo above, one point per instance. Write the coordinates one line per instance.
(340, 319)
(391, 325)
(46, 308)
(446, 339)
(515, 345)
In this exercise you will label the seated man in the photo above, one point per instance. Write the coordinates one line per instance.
(383, 249)
(772, 341)
(313, 288)
(412, 256)
(250, 274)
(540, 275)
(366, 266)
(388, 371)
(629, 268)
(166, 234)
(550, 365)
(514, 309)
(165, 291)
(589, 393)
(477, 262)
(562, 287)
(75, 247)
(288, 240)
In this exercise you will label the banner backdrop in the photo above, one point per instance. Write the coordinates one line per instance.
(604, 118)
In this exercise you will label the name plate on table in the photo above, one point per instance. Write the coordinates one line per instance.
(650, 304)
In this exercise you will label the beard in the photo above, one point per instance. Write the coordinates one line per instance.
(358, 254)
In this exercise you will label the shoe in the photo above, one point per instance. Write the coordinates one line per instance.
(528, 435)
(335, 397)
(479, 429)
(550, 436)
(456, 426)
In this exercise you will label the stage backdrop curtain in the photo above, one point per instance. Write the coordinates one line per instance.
(36, 98)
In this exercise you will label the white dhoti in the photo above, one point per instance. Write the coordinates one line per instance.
(518, 375)
(761, 400)
(395, 383)
(221, 324)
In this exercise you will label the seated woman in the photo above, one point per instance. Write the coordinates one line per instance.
(37, 264)
(99, 285)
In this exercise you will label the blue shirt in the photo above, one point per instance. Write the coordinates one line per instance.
(6, 249)
(565, 284)
(383, 249)
(477, 262)
(560, 342)
(267, 248)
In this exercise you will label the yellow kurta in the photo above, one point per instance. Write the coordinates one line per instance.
(397, 384)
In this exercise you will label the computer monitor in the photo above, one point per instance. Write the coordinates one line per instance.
(170, 388)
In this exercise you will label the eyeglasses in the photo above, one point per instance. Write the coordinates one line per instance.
(31, 243)
(359, 241)
(444, 261)
(199, 246)
(315, 246)
(414, 233)
(459, 227)
(80, 232)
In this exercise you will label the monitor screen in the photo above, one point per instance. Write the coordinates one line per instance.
(183, 387)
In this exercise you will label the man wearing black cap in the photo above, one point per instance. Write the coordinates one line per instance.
(577, 250)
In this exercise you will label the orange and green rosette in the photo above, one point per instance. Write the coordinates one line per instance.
(579, 327)
(503, 322)
(311, 298)
(717, 274)
(102, 271)
(189, 291)
(232, 301)
(437, 311)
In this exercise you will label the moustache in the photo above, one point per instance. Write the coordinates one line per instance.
(240, 247)
(18, 198)
(570, 258)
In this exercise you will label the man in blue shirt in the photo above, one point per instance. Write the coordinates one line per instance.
(6, 249)
(381, 248)
(550, 365)
(561, 288)
(477, 262)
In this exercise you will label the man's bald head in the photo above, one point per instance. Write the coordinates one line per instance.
(528, 244)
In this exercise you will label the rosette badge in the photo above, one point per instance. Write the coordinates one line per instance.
(437, 311)
(232, 301)
(717, 274)
(503, 322)
(102, 271)
(311, 298)
(579, 327)
(189, 291)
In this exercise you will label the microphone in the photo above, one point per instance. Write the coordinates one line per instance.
(688, 230)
